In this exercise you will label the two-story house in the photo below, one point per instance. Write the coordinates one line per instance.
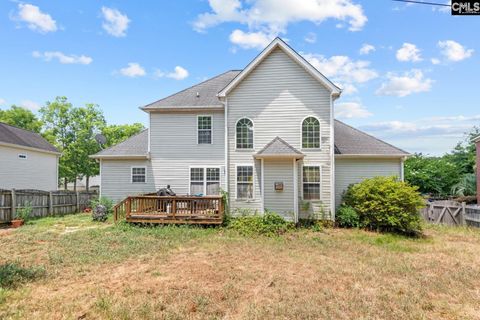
(265, 134)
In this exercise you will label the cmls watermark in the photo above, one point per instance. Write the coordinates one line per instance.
(465, 7)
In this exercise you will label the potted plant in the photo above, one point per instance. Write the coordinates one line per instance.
(23, 214)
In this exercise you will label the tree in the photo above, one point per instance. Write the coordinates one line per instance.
(22, 118)
(86, 123)
(57, 118)
(117, 133)
(432, 175)
(464, 153)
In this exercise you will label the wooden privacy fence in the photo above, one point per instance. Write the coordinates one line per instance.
(43, 203)
(451, 213)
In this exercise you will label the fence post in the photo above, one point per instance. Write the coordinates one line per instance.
(13, 208)
(464, 213)
(50, 203)
(78, 201)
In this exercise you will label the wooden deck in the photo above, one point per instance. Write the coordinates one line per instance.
(170, 210)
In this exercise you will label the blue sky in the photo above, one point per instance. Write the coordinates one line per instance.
(409, 72)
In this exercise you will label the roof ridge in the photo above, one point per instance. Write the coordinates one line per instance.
(194, 85)
(131, 137)
(277, 138)
(367, 134)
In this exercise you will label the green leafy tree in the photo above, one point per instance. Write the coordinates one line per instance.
(117, 133)
(432, 175)
(22, 118)
(86, 123)
(464, 153)
(57, 118)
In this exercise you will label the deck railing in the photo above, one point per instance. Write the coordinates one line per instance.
(170, 209)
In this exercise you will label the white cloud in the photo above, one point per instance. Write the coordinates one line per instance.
(35, 18)
(133, 70)
(62, 58)
(273, 17)
(249, 40)
(454, 51)
(115, 23)
(3, 102)
(348, 110)
(343, 70)
(179, 73)
(409, 52)
(406, 84)
(31, 105)
(310, 37)
(435, 61)
(367, 48)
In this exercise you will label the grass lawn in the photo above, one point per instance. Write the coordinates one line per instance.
(97, 270)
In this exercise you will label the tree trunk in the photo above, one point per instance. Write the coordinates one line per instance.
(65, 182)
(75, 185)
(87, 183)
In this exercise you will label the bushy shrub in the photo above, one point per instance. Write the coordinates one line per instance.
(101, 208)
(12, 274)
(347, 217)
(25, 213)
(268, 224)
(386, 204)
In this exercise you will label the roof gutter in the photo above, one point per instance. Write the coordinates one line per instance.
(183, 109)
(120, 157)
(378, 156)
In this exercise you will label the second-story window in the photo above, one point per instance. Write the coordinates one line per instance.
(204, 127)
(244, 130)
(311, 133)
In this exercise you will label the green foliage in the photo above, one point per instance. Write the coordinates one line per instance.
(386, 204)
(467, 186)
(269, 224)
(117, 133)
(104, 201)
(25, 213)
(13, 274)
(347, 217)
(22, 118)
(432, 175)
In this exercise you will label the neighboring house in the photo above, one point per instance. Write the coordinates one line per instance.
(265, 134)
(93, 184)
(477, 143)
(27, 160)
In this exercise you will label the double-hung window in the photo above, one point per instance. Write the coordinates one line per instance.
(244, 182)
(311, 182)
(205, 180)
(204, 129)
(139, 175)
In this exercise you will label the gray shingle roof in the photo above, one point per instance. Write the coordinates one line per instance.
(13, 135)
(279, 147)
(207, 94)
(349, 140)
(136, 145)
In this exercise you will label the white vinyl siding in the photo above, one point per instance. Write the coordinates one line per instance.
(174, 148)
(117, 179)
(277, 96)
(279, 201)
(348, 171)
(36, 170)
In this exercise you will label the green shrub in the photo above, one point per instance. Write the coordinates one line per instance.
(25, 213)
(268, 224)
(386, 204)
(104, 201)
(347, 217)
(13, 274)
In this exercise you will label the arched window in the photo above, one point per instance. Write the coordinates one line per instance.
(311, 133)
(244, 134)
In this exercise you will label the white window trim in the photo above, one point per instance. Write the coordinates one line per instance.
(22, 156)
(321, 180)
(319, 134)
(131, 174)
(253, 181)
(253, 138)
(204, 177)
(211, 128)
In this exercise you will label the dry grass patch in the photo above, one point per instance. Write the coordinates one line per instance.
(206, 273)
